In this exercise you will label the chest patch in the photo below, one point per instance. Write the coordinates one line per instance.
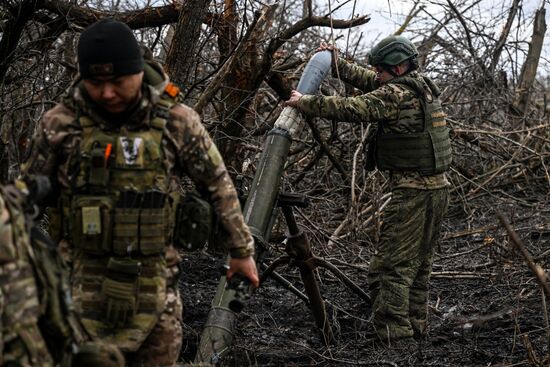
(131, 149)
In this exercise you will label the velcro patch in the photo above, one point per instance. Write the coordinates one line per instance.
(438, 114)
(102, 69)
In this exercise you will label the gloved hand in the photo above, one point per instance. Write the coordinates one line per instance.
(119, 301)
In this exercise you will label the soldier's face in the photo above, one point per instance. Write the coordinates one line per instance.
(114, 93)
(382, 75)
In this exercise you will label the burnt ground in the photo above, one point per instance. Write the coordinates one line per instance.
(485, 305)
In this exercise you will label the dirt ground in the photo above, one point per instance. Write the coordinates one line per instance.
(486, 307)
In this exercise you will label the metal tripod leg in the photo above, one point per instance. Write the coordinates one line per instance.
(299, 249)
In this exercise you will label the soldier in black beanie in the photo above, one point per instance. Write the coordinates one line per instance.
(108, 47)
(117, 146)
(111, 66)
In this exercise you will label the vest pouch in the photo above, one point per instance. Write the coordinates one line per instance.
(442, 149)
(125, 230)
(91, 223)
(194, 222)
(119, 291)
(154, 230)
(99, 171)
(405, 152)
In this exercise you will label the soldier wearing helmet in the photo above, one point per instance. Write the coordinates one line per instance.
(117, 146)
(410, 141)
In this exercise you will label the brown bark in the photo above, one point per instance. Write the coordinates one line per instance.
(135, 19)
(227, 30)
(181, 55)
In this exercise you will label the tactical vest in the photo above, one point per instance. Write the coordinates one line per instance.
(119, 216)
(427, 151)
(22, 339)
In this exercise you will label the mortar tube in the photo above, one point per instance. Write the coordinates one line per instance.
(261, 199)
(217, 335)
(216, 338)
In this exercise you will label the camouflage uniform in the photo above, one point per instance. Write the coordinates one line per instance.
(38, 325)
(21, 340)
(119, 184)
(400, 268)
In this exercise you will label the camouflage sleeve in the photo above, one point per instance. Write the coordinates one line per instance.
(378, 105)
(48, 136)
(358, 76)
(2, 301)
(203, 162)
(8, 252)
(5, 246)
(39, 159)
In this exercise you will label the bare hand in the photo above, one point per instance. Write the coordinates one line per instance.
(247, 267)
(328, 47)
(325, 46)
(294, 98)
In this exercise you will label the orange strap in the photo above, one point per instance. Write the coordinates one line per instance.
(172, 90)
(108, 150)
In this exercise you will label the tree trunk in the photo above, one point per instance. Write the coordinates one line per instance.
(529, 69)
(181, 55)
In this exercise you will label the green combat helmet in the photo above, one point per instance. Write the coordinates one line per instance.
(392, 50)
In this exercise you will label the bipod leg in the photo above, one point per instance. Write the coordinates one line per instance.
(269, 271)
(299, 249)
(343, 278)
(271, 268)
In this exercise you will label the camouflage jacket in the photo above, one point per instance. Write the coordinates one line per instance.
(38, 326)
(188, 150)
(380, 104)
(21, 341)
(121, 296)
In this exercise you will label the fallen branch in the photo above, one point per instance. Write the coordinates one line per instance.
(535, 268)
(458, 254)
(461, 274)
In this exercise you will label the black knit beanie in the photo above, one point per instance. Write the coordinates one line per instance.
(108, 47)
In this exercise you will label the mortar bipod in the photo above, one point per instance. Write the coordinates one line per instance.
(299, 254)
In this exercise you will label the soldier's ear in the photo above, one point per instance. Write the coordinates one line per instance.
(401, 68)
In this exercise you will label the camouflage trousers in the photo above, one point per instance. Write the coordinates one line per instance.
(26, 350)
(163, 345)
(400, 269)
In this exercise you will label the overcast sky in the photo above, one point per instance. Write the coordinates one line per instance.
(388, 15)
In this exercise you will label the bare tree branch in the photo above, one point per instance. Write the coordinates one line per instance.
(504, 34)
(20, 13)
(135, 19)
